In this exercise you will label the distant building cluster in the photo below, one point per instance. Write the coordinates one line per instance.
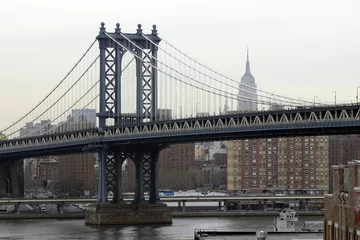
(70, 174)
(292, 165)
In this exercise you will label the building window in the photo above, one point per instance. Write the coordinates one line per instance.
(351, 234)
(336, 232)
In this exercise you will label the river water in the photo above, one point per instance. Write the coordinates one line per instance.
(182, 228)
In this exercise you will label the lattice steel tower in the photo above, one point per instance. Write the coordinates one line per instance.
(113, 46)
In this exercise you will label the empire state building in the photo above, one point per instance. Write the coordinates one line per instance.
(247, 98)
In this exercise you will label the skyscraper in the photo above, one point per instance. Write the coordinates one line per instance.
(247, 90)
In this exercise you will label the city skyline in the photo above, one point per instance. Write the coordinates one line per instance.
(295, 51)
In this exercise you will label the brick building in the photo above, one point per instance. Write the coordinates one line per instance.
(342, 149)
(76, 173)
(48, 170)
(342, 208)
(175, 166)
(294, 165)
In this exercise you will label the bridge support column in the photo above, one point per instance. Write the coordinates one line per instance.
(17, 208)
(183, 206)
(265, 205)
(118, 194)
(219, 206)
(60, 208)
(102, 175)
(12, 179)
(154, 177)
(139, 186)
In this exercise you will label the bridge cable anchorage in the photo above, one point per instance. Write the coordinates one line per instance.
(57, 101)
(77, 112)
(237, 88)
(226, 77)
(219, 94)
(53, 90)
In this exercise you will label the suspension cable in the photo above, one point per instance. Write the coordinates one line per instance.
(224, 95)
(226, 77)
(26, 125)
(71, 70)
(184, 75)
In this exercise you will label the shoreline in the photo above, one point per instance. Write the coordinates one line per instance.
(81, 215)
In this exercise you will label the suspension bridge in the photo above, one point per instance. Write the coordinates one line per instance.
(148, 94)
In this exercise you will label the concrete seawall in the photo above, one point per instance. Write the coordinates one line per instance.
(174, 214)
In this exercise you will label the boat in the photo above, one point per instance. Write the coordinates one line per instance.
(288, 219)
(313, 226)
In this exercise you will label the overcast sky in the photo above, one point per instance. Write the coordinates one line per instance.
(299, 48)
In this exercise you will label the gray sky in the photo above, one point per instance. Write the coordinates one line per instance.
(299, 48)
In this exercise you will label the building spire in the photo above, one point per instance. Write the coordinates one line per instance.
(247, 53)
(247, 71)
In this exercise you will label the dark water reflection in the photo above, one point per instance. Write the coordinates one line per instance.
(182, 228)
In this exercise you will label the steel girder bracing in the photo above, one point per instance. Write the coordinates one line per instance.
(147, 170)
(110, 81)
(111, 173)
(148, 82)
(150, 173)
(110, 95)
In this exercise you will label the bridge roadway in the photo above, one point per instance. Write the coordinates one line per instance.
(309, 121)
(166, 199)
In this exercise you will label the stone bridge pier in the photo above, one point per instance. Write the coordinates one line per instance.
(12, 179)
(140, 210)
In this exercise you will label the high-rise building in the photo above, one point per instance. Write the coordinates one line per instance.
(35, 129)
(84, 115)
(175, 163)
(76, 173)
(247, 90)
(342, 149)
(287, 165)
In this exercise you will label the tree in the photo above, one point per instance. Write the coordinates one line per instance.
(31, 186)
(2, 136)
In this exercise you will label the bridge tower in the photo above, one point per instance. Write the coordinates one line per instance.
(113, 46)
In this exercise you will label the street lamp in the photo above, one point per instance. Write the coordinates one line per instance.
(314, 100)
(335, 96)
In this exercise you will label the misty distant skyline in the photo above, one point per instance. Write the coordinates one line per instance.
(297, 48)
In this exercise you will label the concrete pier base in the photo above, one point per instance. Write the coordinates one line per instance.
(123, 214)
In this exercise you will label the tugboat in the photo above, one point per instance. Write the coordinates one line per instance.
(286, 221)
(289, 217)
